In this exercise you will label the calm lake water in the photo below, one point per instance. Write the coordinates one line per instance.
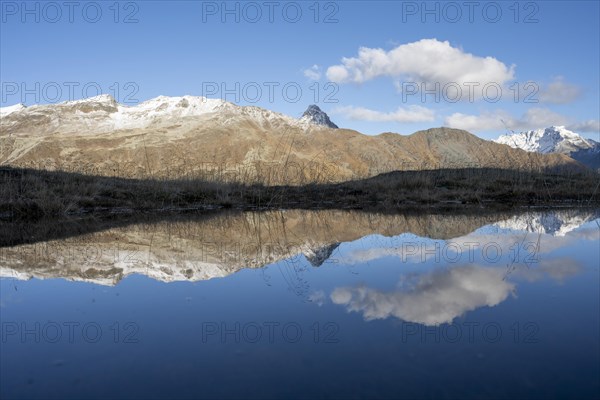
(306, 304)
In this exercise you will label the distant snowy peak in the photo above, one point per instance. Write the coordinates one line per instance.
(316, 116)
(555, 139)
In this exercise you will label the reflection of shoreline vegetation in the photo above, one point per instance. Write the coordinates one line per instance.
(199, 246)
(34, 194)
(195, 246)
(435, 224)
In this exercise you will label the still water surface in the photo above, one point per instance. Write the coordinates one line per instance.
(307, 304)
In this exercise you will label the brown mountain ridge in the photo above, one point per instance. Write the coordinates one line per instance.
(192, 137)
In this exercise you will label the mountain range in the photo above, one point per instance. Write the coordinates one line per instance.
(556, 139)
(196, 137)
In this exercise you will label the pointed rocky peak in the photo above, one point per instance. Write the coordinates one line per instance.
(316, 116)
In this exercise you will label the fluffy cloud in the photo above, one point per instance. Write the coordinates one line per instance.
(534, 118)
(592, 125)
(402, 114)
(427, 60)
(559, 92)
(435, 298)
(487, 121)
(313, 73)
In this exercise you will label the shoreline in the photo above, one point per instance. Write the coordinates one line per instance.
(32, 195)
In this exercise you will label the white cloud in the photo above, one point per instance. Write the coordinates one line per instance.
(559, 92)
(534, 118)
(434, 298)
(337, 73)
(427, 60)
(313, 73)
(540, 118)
(487, 121)
(411, 113)
(592, 125)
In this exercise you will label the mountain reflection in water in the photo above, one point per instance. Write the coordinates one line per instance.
(193, 249)
(356, 304)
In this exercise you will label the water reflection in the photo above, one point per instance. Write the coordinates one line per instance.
(379, 300)
(508, 250)
(440, 296)
(195, 250)
(205, 248)
(432, 298)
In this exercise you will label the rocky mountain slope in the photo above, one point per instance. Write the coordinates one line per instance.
(195, 137)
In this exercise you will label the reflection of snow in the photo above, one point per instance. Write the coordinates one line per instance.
(317, 256)
(520, 239)
(173, 251)
(555, 223)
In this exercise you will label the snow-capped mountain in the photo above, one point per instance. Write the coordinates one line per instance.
(175, 137)
(103, 113)
(315, 115)
(556, 139)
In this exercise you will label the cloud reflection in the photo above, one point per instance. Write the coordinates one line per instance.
(431, 298)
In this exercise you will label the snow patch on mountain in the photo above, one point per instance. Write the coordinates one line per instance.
(4, 111)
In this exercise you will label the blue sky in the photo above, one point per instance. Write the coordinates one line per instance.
(548, 49)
